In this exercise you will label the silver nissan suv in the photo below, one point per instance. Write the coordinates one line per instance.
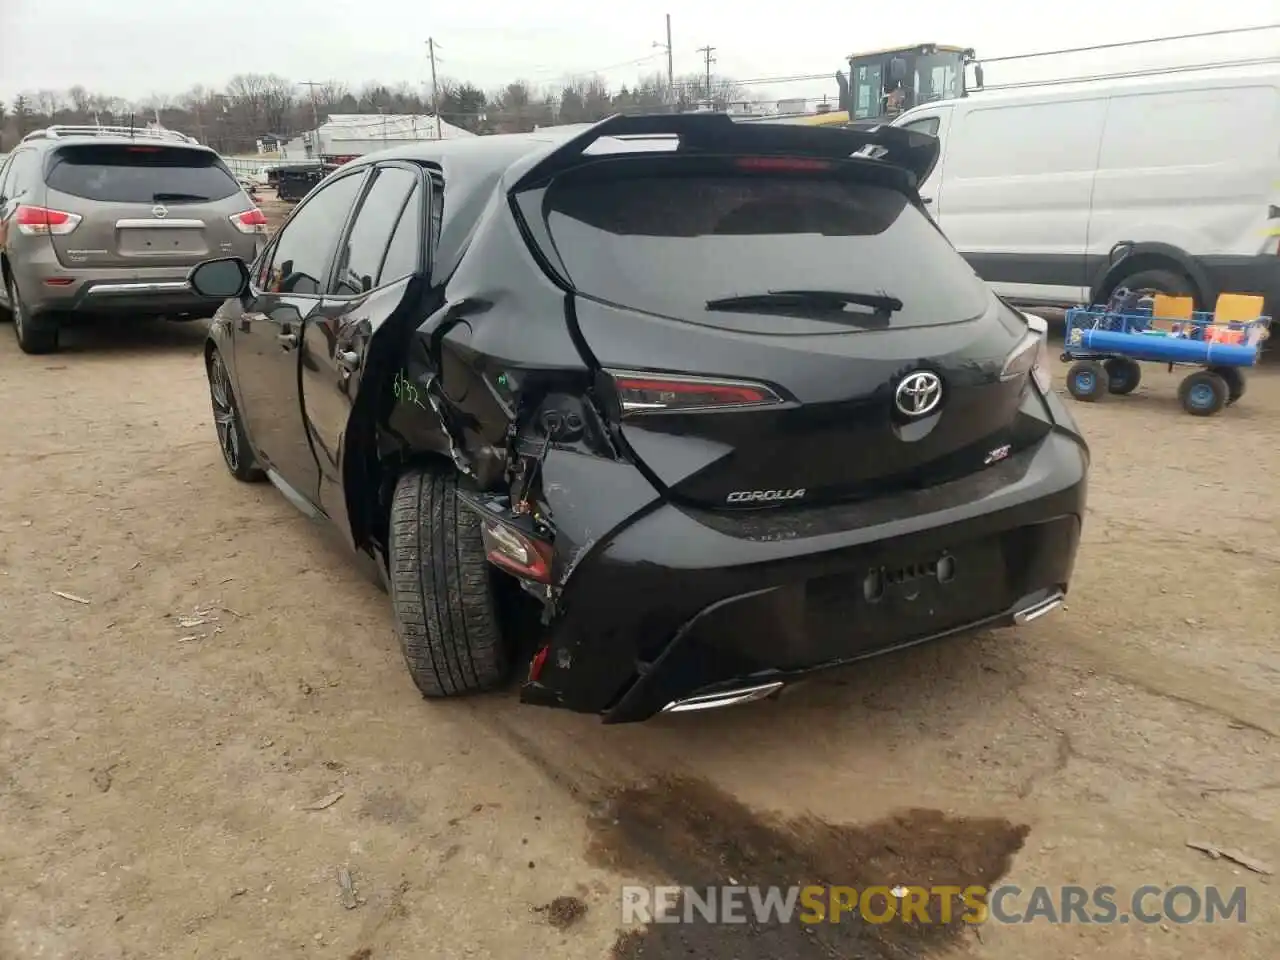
(101, 221)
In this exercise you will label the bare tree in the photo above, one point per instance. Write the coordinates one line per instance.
(277, 103)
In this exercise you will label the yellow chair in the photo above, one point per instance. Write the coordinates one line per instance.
(1169, 312)
(1241, 308)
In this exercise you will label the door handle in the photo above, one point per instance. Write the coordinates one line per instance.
(926, 200)
(348, 359)
(287, 340)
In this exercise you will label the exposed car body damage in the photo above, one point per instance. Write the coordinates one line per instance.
(678, 548)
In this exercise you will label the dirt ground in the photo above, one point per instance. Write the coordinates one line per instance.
(209, 746)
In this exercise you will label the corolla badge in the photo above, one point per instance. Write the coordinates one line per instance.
(763, 496)
(918, 394)
(159, 211)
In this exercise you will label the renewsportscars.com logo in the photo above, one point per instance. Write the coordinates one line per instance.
(939, 904)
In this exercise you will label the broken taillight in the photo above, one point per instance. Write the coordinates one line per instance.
(662, 393)
(35, 221)
(512, 550)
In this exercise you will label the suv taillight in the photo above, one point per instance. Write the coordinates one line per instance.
(251, 221)
(640, 392)
(43, 222)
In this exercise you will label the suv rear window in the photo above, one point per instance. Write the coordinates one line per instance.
(667, 245)
(140, 174)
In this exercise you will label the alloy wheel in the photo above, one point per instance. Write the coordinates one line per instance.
(224, 413)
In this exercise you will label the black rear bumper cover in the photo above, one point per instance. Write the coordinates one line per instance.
(666, 602)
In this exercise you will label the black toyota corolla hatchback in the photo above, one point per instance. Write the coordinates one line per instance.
(717, 400)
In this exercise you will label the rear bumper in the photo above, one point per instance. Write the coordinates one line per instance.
(672, 603)
(133, 297)
(48, 286)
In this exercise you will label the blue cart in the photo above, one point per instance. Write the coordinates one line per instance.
(1106, 345)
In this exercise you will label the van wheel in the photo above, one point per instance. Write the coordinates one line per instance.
(1158, 281)
(443, 589)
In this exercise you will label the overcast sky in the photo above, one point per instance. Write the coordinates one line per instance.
(136, 48)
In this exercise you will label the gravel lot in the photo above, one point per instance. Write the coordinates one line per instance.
(156, 772)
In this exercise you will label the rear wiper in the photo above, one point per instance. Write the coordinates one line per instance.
(179, 198)
(825, 301)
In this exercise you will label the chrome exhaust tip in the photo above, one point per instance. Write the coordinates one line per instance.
(1039, 608)
(723, 698)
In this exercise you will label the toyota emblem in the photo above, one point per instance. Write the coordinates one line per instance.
(918, 394)
(160, 211)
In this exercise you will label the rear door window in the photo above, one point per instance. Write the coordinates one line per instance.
(118, 173)
(668, 245)
(366, 244)
(402, 254)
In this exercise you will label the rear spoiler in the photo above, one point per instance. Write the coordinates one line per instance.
(718, 133)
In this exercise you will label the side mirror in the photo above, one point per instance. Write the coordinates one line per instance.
(977, 75)
(220, 279)
(897, 69)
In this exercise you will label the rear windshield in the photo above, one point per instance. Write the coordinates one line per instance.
(141, 174)
(667, 245)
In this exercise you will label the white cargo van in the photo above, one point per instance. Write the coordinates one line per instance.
(1060, 193)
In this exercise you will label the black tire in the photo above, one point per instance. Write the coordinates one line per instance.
(34, 335)
(1203, 393)
(236, 452)
(1158, 281)
(1123, 375)
(1235, 380)
(1087, 380)
(443, 591)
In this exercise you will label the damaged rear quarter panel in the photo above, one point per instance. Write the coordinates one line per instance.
(500, 340)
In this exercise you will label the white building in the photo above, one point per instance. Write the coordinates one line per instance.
(346, 135)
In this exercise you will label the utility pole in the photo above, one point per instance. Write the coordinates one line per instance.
(315, 110)
(435, 88)
(671, 73)
(709, 59)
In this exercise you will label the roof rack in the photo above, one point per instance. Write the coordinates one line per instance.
(58, 131)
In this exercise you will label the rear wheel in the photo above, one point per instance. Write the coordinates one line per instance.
(1157, 281)
(1123, 375)
(443, 590)
(34, 335)
(1087, 380)
(1203, 393)
(236, 452)
(1235, 380)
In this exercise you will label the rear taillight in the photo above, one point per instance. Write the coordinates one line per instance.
(251, 221)
(1031, 355)
(515, 551)
(662, 393)
(43, 222)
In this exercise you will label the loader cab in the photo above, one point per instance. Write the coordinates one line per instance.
(884, 83)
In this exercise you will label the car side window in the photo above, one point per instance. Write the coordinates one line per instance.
(17, 175)
(402, 257)
(4, 176)
(304, 250)
(366, 245)
(928, 125)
